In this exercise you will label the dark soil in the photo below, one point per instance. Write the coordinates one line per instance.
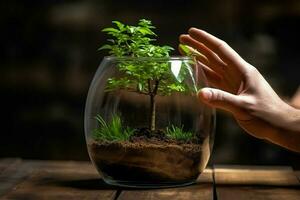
(149, 157)
(157, 136)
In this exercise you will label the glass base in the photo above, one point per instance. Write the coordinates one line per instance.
(146, 185)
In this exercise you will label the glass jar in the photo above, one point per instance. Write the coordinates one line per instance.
(144, 125)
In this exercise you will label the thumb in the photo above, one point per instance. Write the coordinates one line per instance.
(221, 99)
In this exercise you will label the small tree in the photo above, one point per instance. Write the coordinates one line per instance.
(151, 78)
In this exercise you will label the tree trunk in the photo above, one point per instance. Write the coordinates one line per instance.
(152, 110)
(152, 89)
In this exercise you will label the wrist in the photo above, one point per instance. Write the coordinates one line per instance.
(291, 118)
(295, 119)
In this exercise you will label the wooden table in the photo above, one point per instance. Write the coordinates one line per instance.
(28, 179)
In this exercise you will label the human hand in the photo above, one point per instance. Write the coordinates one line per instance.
(295, 101)
(240, 89)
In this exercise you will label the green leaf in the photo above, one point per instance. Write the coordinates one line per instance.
(131, 29)
(185, 49)
(137, 41)
(110, 30)
(146, 31)
(106, 46)
(176, 87)
(189, 51)
(119, 25)
(140, 86)
(146, 23)
(168, 48)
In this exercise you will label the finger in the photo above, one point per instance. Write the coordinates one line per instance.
(232, 77)
(193, 53)
(214, 61)
(224, 51)
(223, 100)
(213, 78)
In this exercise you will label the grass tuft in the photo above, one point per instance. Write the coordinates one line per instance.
(177, 133)
(112, 131)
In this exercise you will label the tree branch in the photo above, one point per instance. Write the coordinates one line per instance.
(149, 87)
(136, 91)
(155, 87)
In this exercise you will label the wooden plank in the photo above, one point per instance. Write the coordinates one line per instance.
(194, 192)
(202, 190)
(255, 175)
(254, 182)
(257, 193)
(206, 176)
(297, 173)
(6, 162)
(61, 180)
(14, 172)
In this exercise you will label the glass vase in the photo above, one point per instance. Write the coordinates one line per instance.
(144, 124)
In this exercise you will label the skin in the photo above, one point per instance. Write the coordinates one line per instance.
(239, 88)
(295, 101)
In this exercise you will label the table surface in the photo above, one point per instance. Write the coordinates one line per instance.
(33, 179)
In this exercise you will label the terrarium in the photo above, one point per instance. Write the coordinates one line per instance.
(144, 125)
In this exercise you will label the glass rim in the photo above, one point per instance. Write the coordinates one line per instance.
(129, 58)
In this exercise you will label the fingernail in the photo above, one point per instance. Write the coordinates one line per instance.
(192, 29)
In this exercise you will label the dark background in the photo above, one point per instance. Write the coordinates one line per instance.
(48, 58)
